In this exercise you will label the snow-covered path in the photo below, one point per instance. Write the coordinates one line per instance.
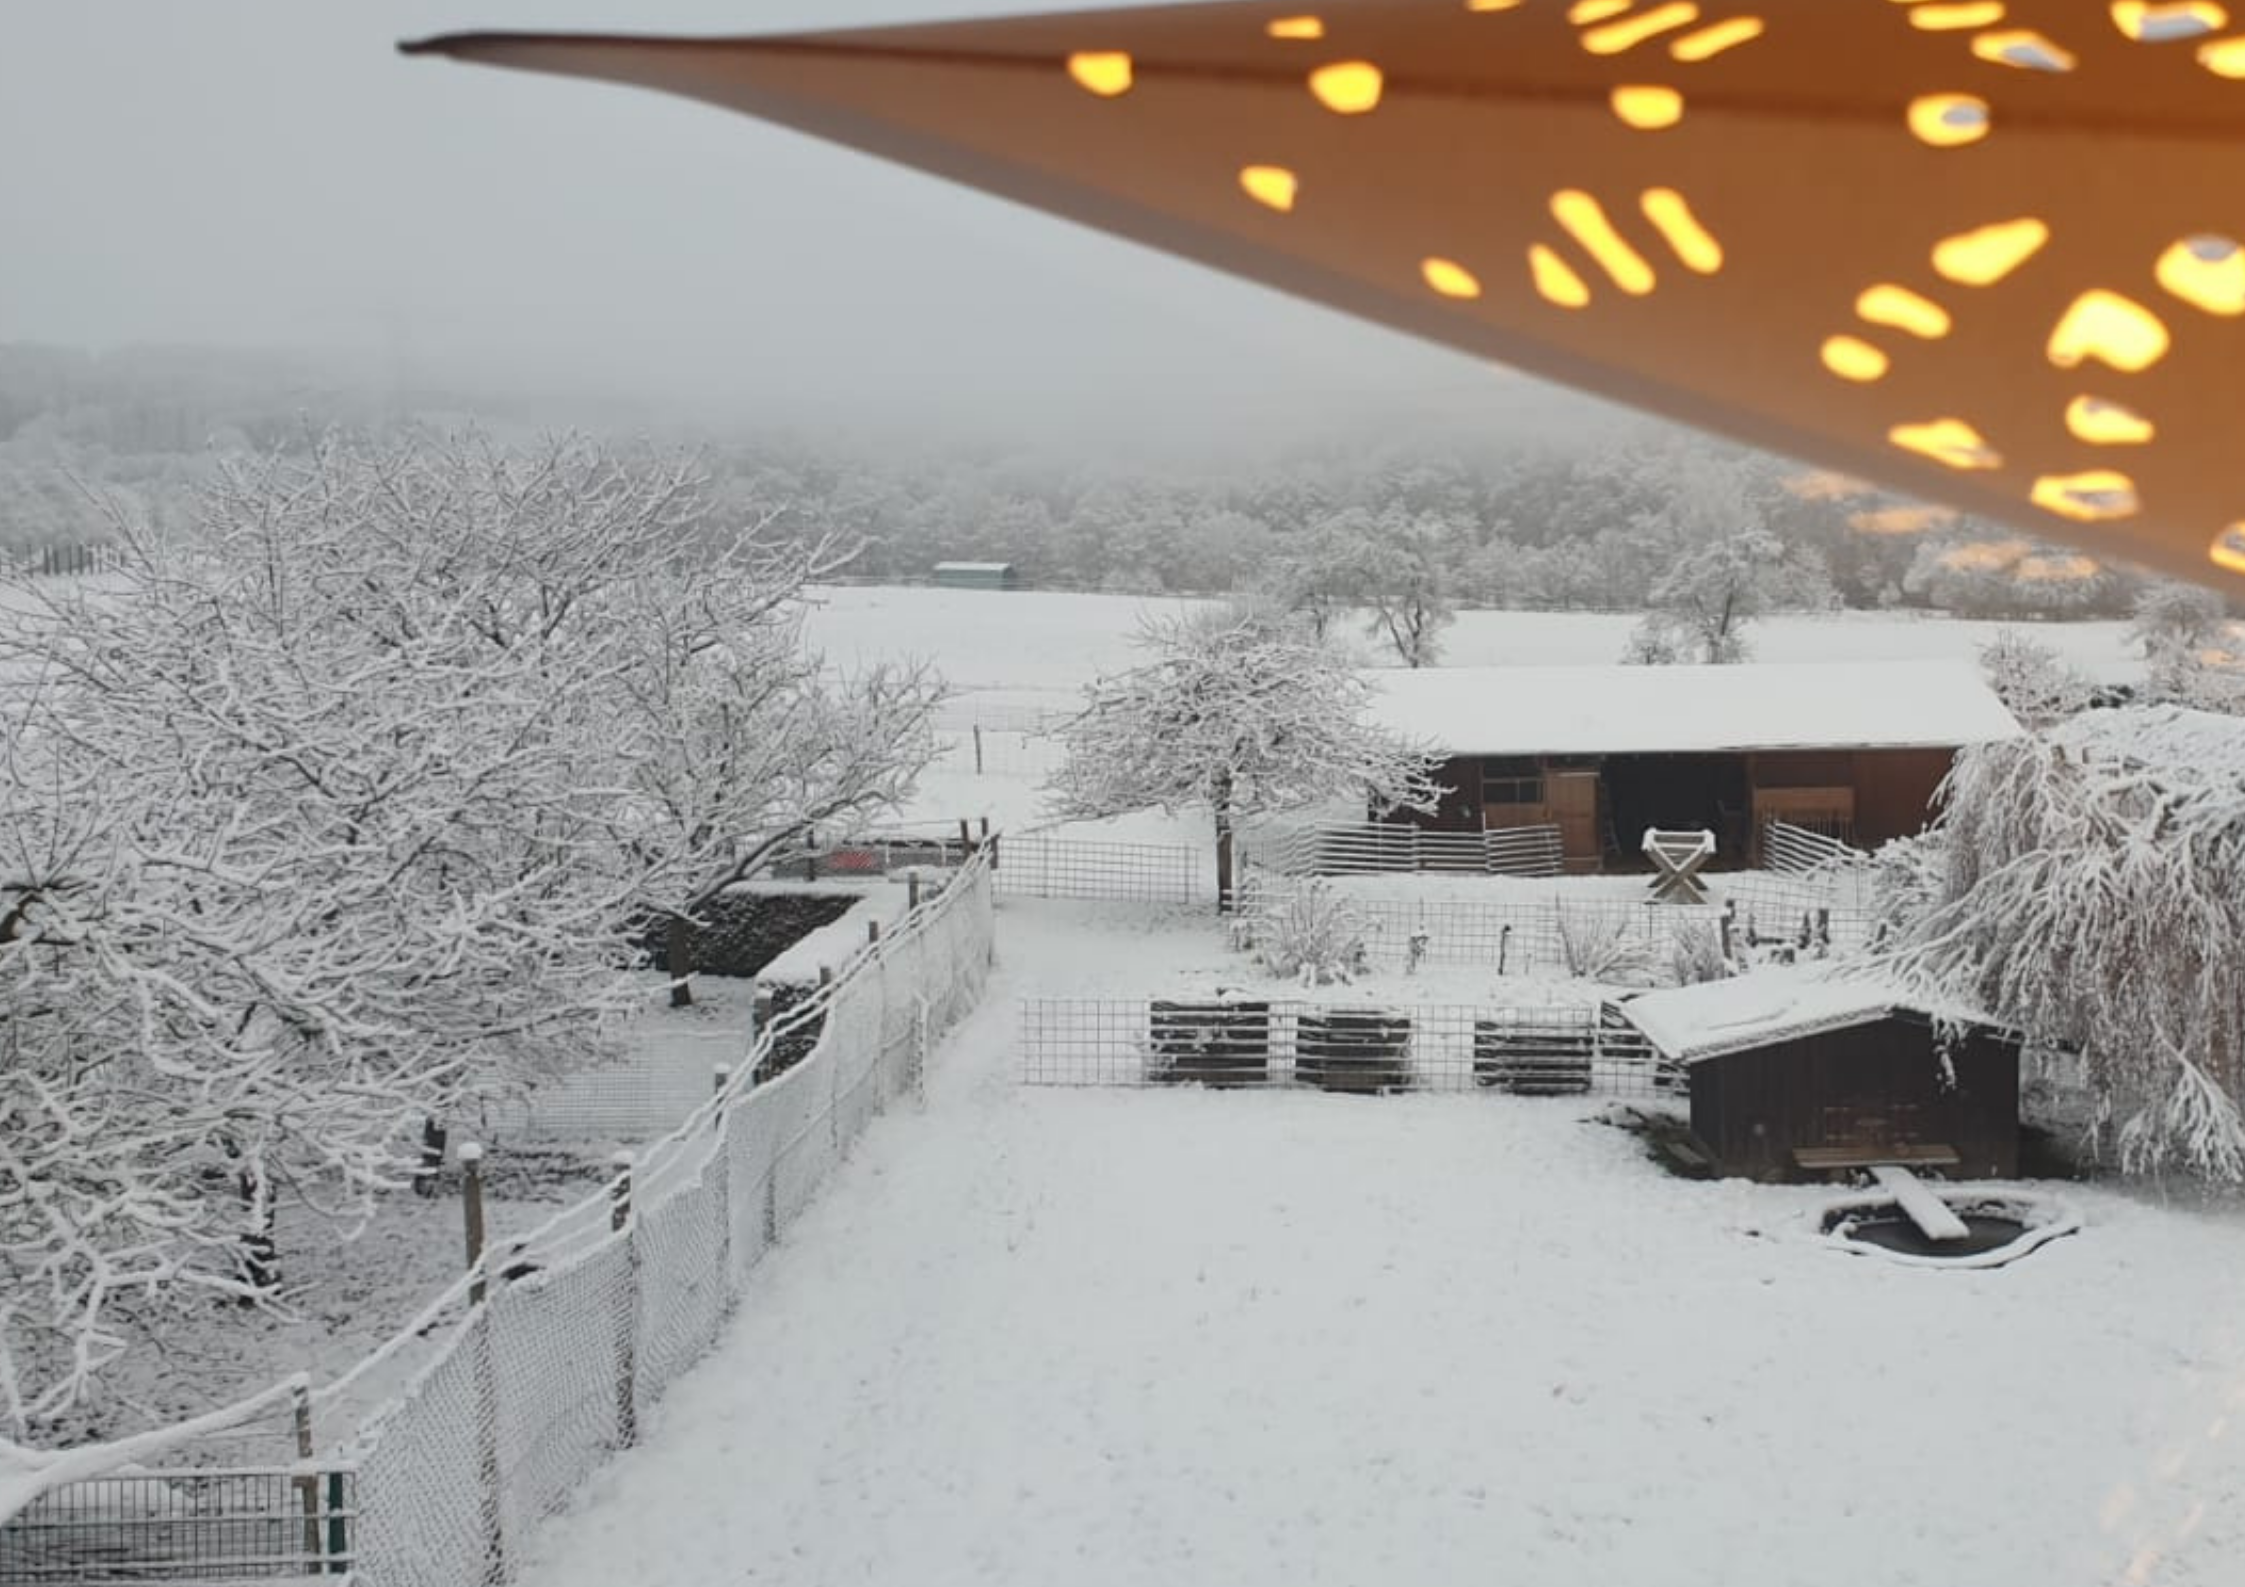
(1046, 1339)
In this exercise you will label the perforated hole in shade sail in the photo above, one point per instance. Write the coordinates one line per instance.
(1977, 250)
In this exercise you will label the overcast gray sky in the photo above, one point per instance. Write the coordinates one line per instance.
(270, 172)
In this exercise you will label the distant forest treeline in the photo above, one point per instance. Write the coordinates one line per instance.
(1590, 523)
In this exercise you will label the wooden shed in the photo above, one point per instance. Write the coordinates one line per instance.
(977, 576)
(1854, 751)
(1802, 1073)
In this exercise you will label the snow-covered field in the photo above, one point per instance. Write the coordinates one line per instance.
(1026, 645)
(1035, 1337)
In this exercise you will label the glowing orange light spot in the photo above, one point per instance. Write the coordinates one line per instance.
(1852, 358)
(2223, 57)
(1985, 256)
(1674, 220)
(1273, 185)
(1904, 310)
(1493, 5)
(1450, 278)
(2103, 423)
(1348, 88)
(1586, 222)
(2025, 49)
(1556, 279)
(1984, 556)
(2205, 272)
(1584, 12)
(1629, 32)
(1945, 18)
(2114, 330)
(1103, 72)
(1709, 42)
(1948, 121)
(2096, 494)
(1648, 108)
(1949, 441)
(2228, 550)
(1297, 28)
(1106, 73)
(2149, 22)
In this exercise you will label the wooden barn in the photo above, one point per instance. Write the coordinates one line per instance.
(1803, 1073)
(1851, 750)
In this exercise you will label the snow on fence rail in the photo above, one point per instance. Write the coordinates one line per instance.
(1548, 1049)
(1304, 849)
(535, 1364)
(1786, 847)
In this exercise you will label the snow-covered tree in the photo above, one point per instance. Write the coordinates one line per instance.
(2087, 885)
(2034, 682)
(1703, 604)
(2191, 647)
(1243, 710)
(344, 808)
(1407, 585)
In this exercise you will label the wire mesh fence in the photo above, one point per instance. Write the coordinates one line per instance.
(1599, 938)
(1526, 1049)
(1033, 865)
(1000, 752)
(216, 1524)
(617, 1296)
(538, 1361)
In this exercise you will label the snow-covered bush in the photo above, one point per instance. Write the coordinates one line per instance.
(1310, 935)
(2087, 885)
(2032, 680)
(1602, 944)
(1695, 953)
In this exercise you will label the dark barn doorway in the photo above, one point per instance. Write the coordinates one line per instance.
(1680, 792)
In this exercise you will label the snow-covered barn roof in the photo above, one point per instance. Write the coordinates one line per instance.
(974, 567)
(1693, 1023)
(1682, 710)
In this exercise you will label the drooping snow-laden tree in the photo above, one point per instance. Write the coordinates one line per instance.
(2086, 884)
(2035, 683)
(346, 807)
(1243, 710)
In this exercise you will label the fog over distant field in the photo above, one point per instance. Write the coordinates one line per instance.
(265, 173)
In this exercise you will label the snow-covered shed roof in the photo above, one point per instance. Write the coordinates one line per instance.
(974, 567)
(1682, 710)
(1693, 1023)
(2182, 748)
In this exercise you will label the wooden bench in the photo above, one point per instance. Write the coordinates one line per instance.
(1840, 1159)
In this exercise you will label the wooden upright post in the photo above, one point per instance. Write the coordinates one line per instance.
(471, 1204)
(307, 1480)
(627, 1307)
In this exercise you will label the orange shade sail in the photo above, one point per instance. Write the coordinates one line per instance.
(1987, 252)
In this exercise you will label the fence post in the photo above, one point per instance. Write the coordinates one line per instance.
(912, 891)
(627, 1308)
(873, 933)
(978, 749)
(720, 1076)
(307, 1481)
(471, 1203)
(966, 839)
(432, 1158)
(986, 828)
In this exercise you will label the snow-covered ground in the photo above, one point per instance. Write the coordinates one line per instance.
(1036, 1337)
(1027, 647)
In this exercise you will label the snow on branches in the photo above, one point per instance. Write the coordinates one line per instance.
(2087, 884)
(346, 807)
(1244, 710)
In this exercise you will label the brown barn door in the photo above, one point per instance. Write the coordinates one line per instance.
(1573, 798)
